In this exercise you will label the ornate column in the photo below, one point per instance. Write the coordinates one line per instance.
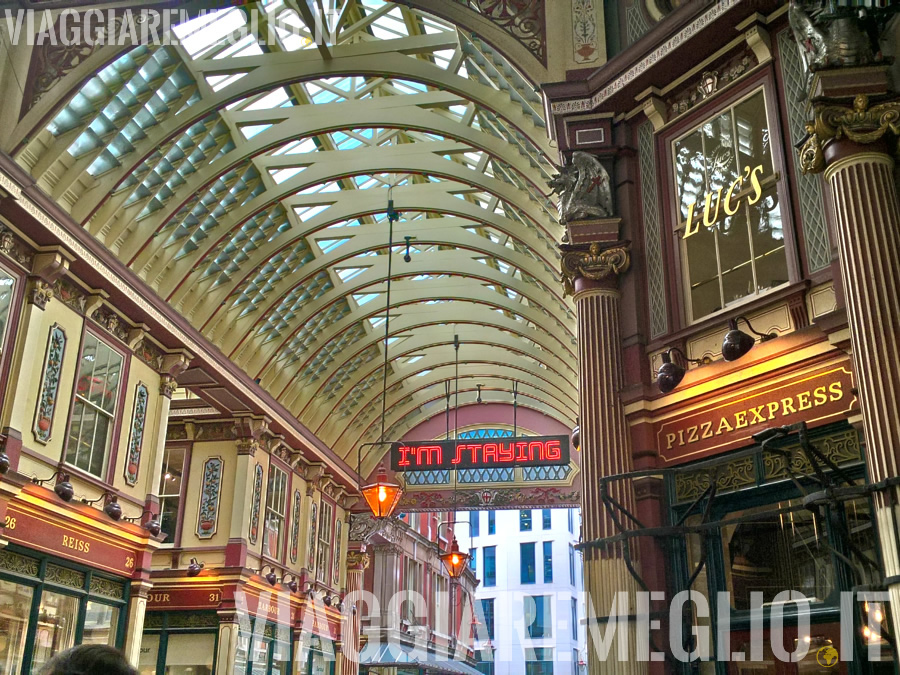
(853, 144)
(357, 563)
(591, 275)
(134, 631)
(229, 633)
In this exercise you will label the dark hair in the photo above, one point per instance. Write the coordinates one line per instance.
(89, 660)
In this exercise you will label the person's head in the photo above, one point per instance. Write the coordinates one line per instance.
(89, 660)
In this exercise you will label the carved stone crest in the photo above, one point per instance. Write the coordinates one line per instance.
(583, 188)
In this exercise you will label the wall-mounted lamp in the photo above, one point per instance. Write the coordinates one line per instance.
(271, 577)
(328, 600)
(110, 507)
(152, 526)
(407, 257)
(576, 435)
(63, 488)
(194, 568)
(478, 398)
(737, 342)
(5, 462)
(292, 584)
(671, 374)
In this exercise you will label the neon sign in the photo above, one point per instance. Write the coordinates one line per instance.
(480, 453)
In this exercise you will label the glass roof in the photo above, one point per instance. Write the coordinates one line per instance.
(245, 174)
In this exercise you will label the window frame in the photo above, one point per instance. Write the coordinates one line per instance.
(175, 538)
(324, 544)
(546, 605)
(526, 522)
(547, 558)
(10, 331)
(675, 254)
(492, 522)
(546, 519)
(112, 450)
(523, 567)
(281, 553)
(489, 582)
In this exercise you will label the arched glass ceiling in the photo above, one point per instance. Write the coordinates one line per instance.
(246, 181)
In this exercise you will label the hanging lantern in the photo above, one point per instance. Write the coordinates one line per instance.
(454, 560)
(381, 496)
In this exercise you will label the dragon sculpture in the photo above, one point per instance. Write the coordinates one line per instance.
(583, 188)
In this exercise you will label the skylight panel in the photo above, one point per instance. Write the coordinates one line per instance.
(376, 321)
(200, 35)
(251, 130)
(281, 175)
(274, 99)
(363, 298)
(348, 273)
(423, 373)
(304, 213)
(413, 359)
(219, 82)
(328, 245)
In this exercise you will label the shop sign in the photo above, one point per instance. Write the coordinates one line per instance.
(822, 396)
(729, 205)
(34, 531)
(184, 598)
(315, 619)
(272, 606)
(480, 453)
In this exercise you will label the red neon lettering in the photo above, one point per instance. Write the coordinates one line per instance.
(429, 451)
(490, 452)
(404, 456)
(459, 452)
(475, 447)
(520, 451)
(531, 449)
(553, 451)
(507, 452)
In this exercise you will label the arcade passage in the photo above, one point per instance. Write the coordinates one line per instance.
(480, 453)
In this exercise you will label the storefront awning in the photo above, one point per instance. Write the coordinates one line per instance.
(392, 655)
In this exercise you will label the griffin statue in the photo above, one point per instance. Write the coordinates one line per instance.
(583, 188)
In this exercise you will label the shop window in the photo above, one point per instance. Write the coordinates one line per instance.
(548, 562)
(525, 521)
(527, 563)
(93, 414)
(729, 214)
(181, 643)
(775, 552)
(100, 624)
(322, 566)
(490, 565)
(171, 482)
(539, 661)
(55, 629)
(15, 607)
(276, 507)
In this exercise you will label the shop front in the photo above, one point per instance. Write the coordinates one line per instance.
(317, 636)
(66, 578)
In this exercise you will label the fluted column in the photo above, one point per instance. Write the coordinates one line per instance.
(592, 276)
(852, 144)
(357, 563)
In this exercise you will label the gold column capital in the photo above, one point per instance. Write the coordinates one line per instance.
(358, 560)
(860, 122)
(594, 262)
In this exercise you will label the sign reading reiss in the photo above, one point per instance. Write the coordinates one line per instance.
(480, 453)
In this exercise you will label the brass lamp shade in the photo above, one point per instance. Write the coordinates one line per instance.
(454, 560)
(382, 496)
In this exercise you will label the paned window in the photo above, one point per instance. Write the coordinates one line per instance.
(574, 620)
(474, 524)
(538, 617)
(492, 522)
(570, 517)
(729, 216)
(527, 563)
(487, 608)
(546, 519)
(548, 562)
(276, 507)
(525, 521)
(490, 565)
(322, 564)
(96, 393)
(170, 484)
(473, 559)
(571, 564)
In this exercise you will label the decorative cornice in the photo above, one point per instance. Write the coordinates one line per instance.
(14, 248)
(594, 263)
(859, 123)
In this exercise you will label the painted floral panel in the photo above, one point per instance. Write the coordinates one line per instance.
(136, 440)
(336, 580)
(47, 398)
(255, 504)
(313, 520)
(295, 527)
(210, 491)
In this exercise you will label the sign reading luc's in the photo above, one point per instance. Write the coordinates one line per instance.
(481, 453)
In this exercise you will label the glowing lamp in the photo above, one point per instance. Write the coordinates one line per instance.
(454, 560)
(382, 496)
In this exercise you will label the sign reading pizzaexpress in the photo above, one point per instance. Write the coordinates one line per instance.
(818, 397)
(480, 453)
